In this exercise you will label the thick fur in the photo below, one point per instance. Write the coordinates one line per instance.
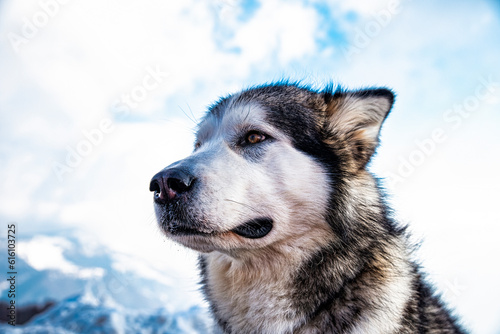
(334, 261)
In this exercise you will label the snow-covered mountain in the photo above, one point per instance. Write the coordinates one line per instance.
(99, 292)
(87, 313)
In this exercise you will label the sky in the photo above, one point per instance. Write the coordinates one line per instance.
(98, 96)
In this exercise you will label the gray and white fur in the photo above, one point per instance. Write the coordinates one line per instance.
(293, 232)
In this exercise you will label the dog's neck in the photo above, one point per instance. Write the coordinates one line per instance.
(254, 286)
(244, 292)
(261, 288)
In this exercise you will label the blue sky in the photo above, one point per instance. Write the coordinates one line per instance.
(129, 75)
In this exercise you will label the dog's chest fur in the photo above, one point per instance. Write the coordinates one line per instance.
(253, 298)
(241, 295)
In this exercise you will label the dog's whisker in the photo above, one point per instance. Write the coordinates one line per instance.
(248, 114)
(244, 205)
(192, 119)
(192, 114)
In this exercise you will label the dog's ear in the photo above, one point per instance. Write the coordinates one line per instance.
(355, 118)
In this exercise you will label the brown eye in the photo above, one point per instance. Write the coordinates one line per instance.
(255, 137)
(197, 146)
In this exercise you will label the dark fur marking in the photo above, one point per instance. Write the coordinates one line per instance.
(425, 313)
(202, 266)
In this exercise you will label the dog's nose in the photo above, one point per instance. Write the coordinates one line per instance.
(169, 183)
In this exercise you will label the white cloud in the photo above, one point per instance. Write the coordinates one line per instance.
(278, 27)
(367, 7)
(46, 253)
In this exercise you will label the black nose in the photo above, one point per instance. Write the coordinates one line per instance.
(169, 183)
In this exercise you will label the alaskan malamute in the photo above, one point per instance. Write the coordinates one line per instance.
(293, 231)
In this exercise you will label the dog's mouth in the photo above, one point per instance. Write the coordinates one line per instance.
(184, 230)
(254, 229)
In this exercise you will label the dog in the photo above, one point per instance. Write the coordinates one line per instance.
(293, 232)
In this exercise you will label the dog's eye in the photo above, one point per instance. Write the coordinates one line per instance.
(197, 145)
(254, 137)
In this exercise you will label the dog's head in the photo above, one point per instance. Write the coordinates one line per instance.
(265, 166)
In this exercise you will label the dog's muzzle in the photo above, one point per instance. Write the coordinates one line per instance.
(172, 183)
